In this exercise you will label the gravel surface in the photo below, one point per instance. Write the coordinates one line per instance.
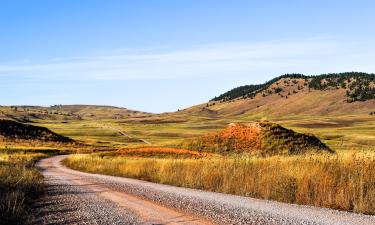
(165, 200)
(67, 203)
(74, 198)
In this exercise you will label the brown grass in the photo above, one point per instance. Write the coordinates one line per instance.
(344, 181)
(161, 152)
(20, 183)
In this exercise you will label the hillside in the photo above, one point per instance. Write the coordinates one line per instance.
(327, 94)
(15, 131)
(358, 86)
(264, 138)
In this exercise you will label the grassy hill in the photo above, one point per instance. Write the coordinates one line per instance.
(359, 86)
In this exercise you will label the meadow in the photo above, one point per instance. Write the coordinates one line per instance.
(344, 180)
(340, 132)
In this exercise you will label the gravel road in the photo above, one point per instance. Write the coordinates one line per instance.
(75, 197)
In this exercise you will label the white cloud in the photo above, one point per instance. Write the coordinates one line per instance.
(308, 56)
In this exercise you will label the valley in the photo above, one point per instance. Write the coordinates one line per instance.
(289, 140)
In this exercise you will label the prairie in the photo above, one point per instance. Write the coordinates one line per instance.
(320, 180)
(340, 180)
(344, 180)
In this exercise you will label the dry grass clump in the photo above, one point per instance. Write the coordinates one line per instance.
(161, 152)
(344, 181)
(20, 182)
(52, 147)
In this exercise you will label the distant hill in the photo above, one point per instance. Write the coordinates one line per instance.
(289, 94)
(15, 131)
(264, 138)
(296, 94)
(67, 112)
(99, 111)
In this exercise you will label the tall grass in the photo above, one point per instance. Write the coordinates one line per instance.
(344, 181)
(20, 182)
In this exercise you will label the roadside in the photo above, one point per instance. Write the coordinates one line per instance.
(143, 202)
(74, 198)
(20, 183)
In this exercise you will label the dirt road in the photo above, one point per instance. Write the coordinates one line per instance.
(80, 198)
(121, 132)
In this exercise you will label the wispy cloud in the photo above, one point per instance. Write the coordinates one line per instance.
(316, 54)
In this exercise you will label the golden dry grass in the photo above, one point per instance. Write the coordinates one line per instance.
(161, 152)
(344, 181)
(20, 183)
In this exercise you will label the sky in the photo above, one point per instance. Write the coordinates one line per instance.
(159, 56)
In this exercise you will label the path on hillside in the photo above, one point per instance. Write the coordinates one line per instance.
(121, 132)
(80, 198)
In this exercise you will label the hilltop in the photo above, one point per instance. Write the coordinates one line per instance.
(327, 94)
(264, 138)
(15, 131)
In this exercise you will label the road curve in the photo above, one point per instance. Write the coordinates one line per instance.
(75, 197)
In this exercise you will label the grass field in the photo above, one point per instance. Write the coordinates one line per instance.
(344, 132)
(343, 181)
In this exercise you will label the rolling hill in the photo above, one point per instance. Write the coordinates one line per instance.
(296, 94)
(67, 112)
(290, 94)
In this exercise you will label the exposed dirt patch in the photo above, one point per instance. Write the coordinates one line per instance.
(262, 138)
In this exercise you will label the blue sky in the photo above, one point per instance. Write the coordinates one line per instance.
(164, 55)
